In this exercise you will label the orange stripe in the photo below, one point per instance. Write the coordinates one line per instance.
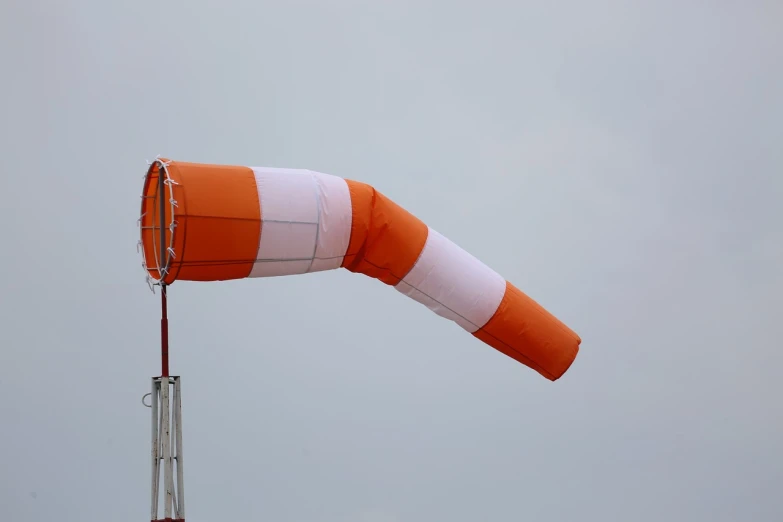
(386, 239)
(218, 222)
(526, 332)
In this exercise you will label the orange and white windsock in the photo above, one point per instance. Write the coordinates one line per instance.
(230, 222)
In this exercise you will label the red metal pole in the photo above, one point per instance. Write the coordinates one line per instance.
(164, 320)
(164, 333)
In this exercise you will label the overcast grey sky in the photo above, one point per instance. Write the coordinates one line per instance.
(621, 162)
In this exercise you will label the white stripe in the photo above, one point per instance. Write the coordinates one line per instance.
(454, 284)
(289, 221)
(305, 221)
(335, 223)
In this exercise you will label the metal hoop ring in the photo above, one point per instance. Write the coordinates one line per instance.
(168, 255)
(144, 397)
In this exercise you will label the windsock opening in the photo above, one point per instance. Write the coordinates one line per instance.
(157, 221)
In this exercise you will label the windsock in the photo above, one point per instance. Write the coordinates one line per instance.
(231, 222)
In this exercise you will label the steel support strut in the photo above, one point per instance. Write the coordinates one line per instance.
(167, 449)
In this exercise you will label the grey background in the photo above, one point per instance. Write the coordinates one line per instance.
(619, 161)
